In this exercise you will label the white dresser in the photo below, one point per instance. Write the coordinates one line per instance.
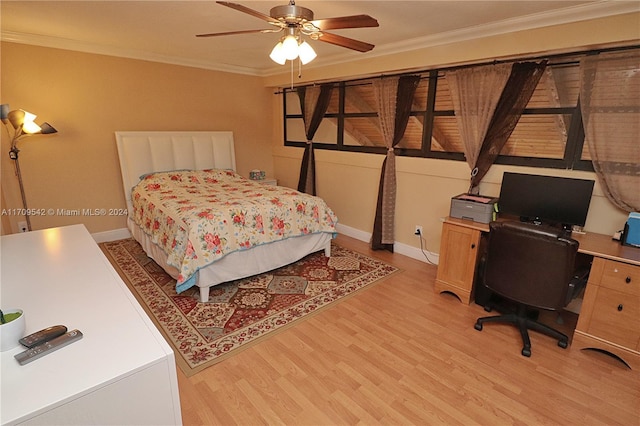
(121, 372)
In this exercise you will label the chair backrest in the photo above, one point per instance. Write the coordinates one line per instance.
(530, 264)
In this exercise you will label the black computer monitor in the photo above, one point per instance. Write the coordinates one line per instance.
(546, 199)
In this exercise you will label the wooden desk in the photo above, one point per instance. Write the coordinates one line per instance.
(609, 318)
(121, 372)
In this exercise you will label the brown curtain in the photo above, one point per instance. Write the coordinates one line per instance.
(520, 86)
(314, 101)
(394, 96)
(610, 105)
(475, 92)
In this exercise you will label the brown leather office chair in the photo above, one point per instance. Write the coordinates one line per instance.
(533, 266)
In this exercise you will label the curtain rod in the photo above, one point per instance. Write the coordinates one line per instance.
(426, 72)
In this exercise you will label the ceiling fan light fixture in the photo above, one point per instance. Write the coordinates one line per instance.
(306, 53)
(296, 22)
(277, 54)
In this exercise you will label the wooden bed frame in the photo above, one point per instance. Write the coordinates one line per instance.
(146, 152)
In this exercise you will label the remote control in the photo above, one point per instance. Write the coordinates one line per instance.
(48, 347)
(44, 335)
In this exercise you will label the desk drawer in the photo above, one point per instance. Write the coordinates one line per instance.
(616, 318)
(619, 276)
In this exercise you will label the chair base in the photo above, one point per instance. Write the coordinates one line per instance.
(525, 323)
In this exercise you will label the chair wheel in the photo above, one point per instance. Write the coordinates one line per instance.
(526, 352)
(563, 344)
(478, 326)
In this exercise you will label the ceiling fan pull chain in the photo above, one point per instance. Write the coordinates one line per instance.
(291, 75)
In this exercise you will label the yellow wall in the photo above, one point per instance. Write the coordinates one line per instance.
(87, 98)
(349, 181)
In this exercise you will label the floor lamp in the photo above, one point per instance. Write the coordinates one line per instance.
(23, 125)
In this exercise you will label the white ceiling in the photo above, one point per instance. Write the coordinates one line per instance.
(165, 31)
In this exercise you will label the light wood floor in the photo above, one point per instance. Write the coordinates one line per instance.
(396, 353)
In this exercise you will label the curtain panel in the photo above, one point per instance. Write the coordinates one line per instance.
(394, 97)
(314, 101)
(475, 92)
(610, 105)
(517, 92)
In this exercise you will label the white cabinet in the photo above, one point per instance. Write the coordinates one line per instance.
(121, 372)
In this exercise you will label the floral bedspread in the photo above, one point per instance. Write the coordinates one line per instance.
(198, 217)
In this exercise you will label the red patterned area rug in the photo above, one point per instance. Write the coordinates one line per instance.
(241, 312)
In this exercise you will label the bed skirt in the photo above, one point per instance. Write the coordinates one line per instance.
(240, 264)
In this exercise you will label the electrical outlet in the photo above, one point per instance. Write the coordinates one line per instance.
(22, 226)
(418, 230)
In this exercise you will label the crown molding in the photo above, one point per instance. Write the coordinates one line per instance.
(567, 15)
(80, 46)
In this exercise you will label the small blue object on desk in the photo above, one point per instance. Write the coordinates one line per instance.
(631, 235)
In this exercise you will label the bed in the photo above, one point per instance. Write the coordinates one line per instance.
(151, 161)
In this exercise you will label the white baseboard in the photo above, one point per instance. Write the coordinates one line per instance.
(400, 248)
(416, 253)
(353, 233)
(116, 234)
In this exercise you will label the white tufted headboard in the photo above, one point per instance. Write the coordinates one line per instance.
(146, 152)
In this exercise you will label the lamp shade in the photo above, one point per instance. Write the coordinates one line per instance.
(277, 54)
(28, 123)
(30, 127)
(306, 53)
(4, 112)
(47, 129)
(16, 118)
(29, 116)
(290, 47)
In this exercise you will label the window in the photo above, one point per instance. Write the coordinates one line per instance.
(549, 133)
(294, 125)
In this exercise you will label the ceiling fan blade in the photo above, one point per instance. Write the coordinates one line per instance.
(237, 32)
(355, 21)
(251, 12)
(349, 43)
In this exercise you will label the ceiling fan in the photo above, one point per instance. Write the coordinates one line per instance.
(296, 21)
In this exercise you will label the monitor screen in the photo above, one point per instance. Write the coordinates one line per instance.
(548, 199)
